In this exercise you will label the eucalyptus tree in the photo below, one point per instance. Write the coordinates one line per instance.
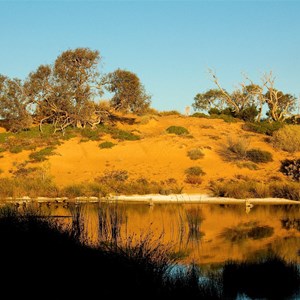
(129, 94)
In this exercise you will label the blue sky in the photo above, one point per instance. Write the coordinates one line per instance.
(169, 44)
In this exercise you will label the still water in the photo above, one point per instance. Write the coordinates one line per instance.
(205, 234)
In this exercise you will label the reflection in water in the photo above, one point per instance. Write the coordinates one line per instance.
(206, 234)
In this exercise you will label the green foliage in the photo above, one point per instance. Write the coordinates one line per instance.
(259, 156)
(264, 127)
(129, 93)
(122, 135)
(16, 149)
(194, 171)
(248, 114)
(90, 134)
(178, 130)
(4, 136)
(170, 113)
(291, 168)
(287, 138)
(237, 147)
(200, 115)
(42, 154)
(106, 145)
(2, 149)
(225, 118)
(195, 154)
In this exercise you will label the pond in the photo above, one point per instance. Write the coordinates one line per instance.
(207, 235)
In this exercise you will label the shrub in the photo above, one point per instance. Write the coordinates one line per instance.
(106, 145)
(214, 111)
(193, 179)
(115, 175)
(90, 134)
(199, 115)
(238, 147)
(290, 190)
(194, 171)
(287, 138)
(259, 156)
(178, 130)
(122, 135)
(74, 190)
(226, 118)
(248, 114)
(264, 127)
(2, 149)
(195, 154)
(291, 168)
(16, 149)
(42, 154)
(240, 189)
(248, 165)
(170, 113)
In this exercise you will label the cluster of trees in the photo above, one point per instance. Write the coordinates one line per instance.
(248, 101)
(65, 93)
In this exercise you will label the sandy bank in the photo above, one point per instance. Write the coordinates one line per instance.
(155, 198)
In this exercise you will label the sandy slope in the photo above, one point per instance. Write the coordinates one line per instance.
(158, 155)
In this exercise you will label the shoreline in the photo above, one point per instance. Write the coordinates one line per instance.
(151, 199)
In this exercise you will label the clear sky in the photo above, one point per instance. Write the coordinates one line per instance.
(168, 44)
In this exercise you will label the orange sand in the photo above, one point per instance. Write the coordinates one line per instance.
(157, 156)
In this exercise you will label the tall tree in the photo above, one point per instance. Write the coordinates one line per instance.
(248, 100)
(64, 93)
(129, 93)
(14, 104)
(280, 105)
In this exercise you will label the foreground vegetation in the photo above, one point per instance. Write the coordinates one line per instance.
(40, 250)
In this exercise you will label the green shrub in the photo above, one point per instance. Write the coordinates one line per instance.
(2, 149)
(291, 168)
(106, 145)
(169, 113)
(195, 154)
(226, 118)
(178, 130)
(259, 156)
(4, 136)
(200, 115)
(122, 135)
(238, 147)
(16, 149)
(90, 134)
(42, 154)
(248, 114)
(264, 127)
(287, 138)
(194, 171)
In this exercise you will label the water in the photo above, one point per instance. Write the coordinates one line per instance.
(208, 235)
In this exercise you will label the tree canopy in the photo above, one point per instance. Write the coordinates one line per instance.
(67, 93)
(129, 93)
(247, 101)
